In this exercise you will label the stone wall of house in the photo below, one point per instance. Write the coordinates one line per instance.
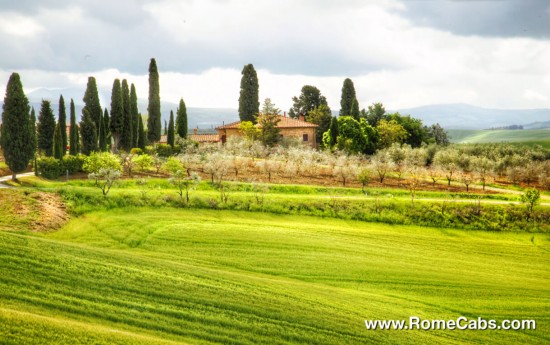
(285, 132)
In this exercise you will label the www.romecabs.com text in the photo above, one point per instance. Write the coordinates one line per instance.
(460, 323)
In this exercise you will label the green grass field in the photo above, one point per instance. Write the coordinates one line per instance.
(156, 276)
(529, 137)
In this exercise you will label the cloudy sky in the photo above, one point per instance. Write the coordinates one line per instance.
(401, 53)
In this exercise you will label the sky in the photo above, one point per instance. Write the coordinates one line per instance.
(493, 54)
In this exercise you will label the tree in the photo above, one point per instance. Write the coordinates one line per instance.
(417, 133)
(98, 160)
(126, 140)
(46, 128)
(364, 177)
(390, 132)
(170, 137)
(58, 143)
(249, 105)
(117, 114)
(334, 130)
(321, 116)
(105, 178)
(102, 132)
(107, 128)
(348, 95)
(447, 161)
(270, 134)
(249, 131)
(16, 136)
(181, 120)
(63, 124)
(92, 105)
(34, 138)
(134, 113)
(355, 109)
(375, 113)
(269, 107)
(88, 133)
(438, 134)
(351, 137)
(141, 140)
(531, 198)
(310, 98)
(153, 108)
(73, 132)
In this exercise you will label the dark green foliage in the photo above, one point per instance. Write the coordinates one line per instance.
(88, 133)
(102, 132)
(371, 135)
(107, 128)
(334, 131)
(171, 131)
(321, 116)
(134, 113)
(351, 137)
(165, 127)
(417, 132)
(249, 104)
(269, 132)
(91, 103)
(117, 114)
(16, 136)
(46, 128)
(34, 138)
(348, 95)
(141, 132)
(58, 151)
(73, 133)
(62, 120)
(73, 163)
(164, 150)
(437, 135)
(153, 108)
(49, 167)
(310, 98)
(375, 113)
(355, 113)
(126, 140)
(181, 120)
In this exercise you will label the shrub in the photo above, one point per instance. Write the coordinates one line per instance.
(49, 167)
(73, 163)
(164, 150)
(99, 160)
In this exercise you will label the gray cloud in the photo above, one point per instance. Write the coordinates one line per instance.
(493, 18)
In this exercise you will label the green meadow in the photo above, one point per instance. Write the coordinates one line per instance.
(528, 136)
(190, 276)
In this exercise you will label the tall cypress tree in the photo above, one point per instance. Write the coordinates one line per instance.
(46, 128)
(134, 113)
(73, 132)
(88, 133)
(333, 131)
(355, 109)
(91, 103)
(171, 130)
(126, 139)
(63, 123)
(107, 127)
(154, 125)
(16, 137)
(101, 132)
(348, 95)
(181, 120)
(141, 131)
(58, 142)
(117, 114)
(34, 138)
(249, 105)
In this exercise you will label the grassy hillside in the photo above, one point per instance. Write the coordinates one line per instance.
(531, 137)
(200, 276)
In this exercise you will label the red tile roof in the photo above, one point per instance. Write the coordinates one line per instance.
(204, 138)
(284, 122)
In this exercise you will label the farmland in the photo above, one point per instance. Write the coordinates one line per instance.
(529, 137)
(142, 275)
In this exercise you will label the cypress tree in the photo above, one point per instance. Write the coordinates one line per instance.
(126, 139)
(88, 133)
(34, 138)
(73, 132)
(46, 128)
(91, 103)
(249, 105)
(107, 128)
(117, 114)
(141, 131)
(355, 113)
(78, 141)
(181, 120)
(333, 131)
(348, 95)
(134, 112)
(101, 135)
(16, 138)
(165, 127)
(154, 125)
(63, 123)
(171, 130)
(58, 142)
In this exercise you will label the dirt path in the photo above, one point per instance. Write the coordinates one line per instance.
(7, 178)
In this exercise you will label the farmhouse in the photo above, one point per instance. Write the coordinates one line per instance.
(289, 127)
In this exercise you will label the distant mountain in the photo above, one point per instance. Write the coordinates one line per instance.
(464, 116)
(537, 125)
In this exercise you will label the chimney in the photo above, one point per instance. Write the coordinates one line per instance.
(302, 118)
(195, 130)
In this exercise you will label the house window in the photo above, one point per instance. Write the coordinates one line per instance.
(306, 137)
